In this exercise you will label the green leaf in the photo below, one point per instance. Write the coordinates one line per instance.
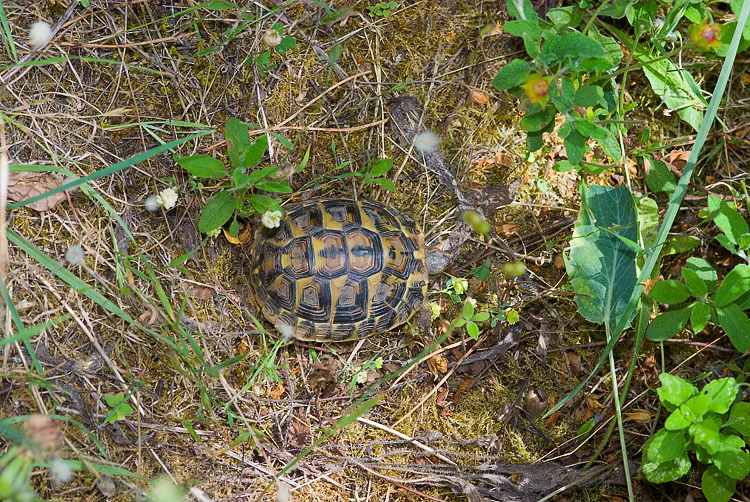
(381, 167)
(669, 292)
(218, 210)
(736, 325)
(675, 390)
(569, 48)
(480, 316)
(218, 5)
(611, 146)
(236, 134)
(734, 462)
(472, 329)
(679, 419)
(706, 434)
(278, 186)
(254, 154)
(203, 166)
(601, 266)
(667, 325)
(694, 283)
(727, 219)
(680, 244)
(589, 95)
(648, 219)
(739, 418)
(511, 75)
(538, 121)
(667, 471)
(704, 270)
(564, 166)
(660, 178)
(721, 393)
(700, 313)
(287, 43)
(563, 17)
(736, 282)
(717, 486)
(667, 445)
(575, 145)
(590, 129)
(385, 183)
(523, 29)
(673, 84)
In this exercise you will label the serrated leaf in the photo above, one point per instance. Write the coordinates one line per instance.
(203, 166)
(717, 486)
(569, 48)
(667, 445)
(534, 122)
(669, 292)
(675, 390)
(511, 75)
(700, 313)
(736, 325)
(520, 28)
(217, 212)
(601, 266)
(667, 324)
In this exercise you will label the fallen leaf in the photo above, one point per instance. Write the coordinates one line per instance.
(639, 416)
(515, 477)
(478, 97)
(437, 365)
(559, 261)
(441, 399)
(490, 30)
(243, 237)
(503, 158)
(745, 79)
(242, 348)
(536, 402)
(298, 432)
(450, 37)
(324, 376)
(462, 388)
(24, 185)
(201, 294)
(574, 362)
(277, 391)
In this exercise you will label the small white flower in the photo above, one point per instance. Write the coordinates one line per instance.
(151, 203)
(214, 233)
(167, 198)
(285, 330)
(473, 301)
(362, 377)
(40, 34)
(271, 219)
(271, 38)
(427, 142)
(61, 471)
(74, 254)
(460, 286)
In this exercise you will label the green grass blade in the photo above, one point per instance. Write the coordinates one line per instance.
(119, 166)
(7, 33)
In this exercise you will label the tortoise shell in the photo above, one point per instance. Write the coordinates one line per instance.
(339, 269)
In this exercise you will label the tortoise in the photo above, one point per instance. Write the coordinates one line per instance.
(338, 269)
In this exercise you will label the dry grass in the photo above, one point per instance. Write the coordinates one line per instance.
(127, 72)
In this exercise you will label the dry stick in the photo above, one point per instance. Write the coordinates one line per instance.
(407, 438)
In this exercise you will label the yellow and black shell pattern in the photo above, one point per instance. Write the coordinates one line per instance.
(339, 269)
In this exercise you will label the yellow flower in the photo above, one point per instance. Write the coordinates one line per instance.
(537, 88)
(706, 35)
